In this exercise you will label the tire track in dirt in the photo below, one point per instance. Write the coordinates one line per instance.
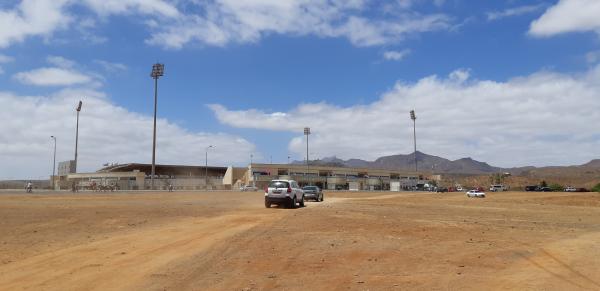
(560, 263)
(124, 261)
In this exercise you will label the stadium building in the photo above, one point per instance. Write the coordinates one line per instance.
(137, 177)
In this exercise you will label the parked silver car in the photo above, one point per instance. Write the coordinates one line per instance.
(284, 192)
(248, 188)
(313, 192)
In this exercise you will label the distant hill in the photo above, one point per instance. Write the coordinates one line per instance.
(592, 164)
(435, 164)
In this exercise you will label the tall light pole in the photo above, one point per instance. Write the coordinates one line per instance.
(158, 71)
(53, 162)
(252, 171)
(414, 118)
(206, 166)
(289, 172)
(77, 134)
(307, 133)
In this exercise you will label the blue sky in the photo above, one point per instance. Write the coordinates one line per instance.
(250, 76)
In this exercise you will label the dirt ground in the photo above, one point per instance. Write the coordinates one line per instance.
(351, 241)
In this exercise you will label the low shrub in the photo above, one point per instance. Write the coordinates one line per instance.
(596, 188)
(556, 187)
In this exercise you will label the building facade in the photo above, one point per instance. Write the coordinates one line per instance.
(332, 178)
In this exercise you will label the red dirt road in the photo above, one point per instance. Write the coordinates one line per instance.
(356, 241)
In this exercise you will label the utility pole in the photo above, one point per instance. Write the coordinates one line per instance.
(158, 70)
(206, 166)
(77, 134)
(54, 164)
(252, 171)
(307, 133)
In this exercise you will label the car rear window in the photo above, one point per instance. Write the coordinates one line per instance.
(279, 184)
(310, 188)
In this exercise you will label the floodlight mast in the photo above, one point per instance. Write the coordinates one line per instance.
(54, 164)
(307, 133)
(206, 166)
(158, 71)
(414, 118)
(78, 109)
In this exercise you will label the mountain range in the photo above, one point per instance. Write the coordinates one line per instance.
(432, 163)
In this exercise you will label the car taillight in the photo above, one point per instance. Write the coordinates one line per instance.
(289, 190)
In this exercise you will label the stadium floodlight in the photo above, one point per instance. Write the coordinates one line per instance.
(307, 133)
(78, 109)
(158, 70)
(206, 166)
(414, 118)
(53, 163)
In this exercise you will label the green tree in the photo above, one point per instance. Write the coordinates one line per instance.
(556, 187)
(596, 188)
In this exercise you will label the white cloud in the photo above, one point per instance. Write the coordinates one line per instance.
(568, 16)
(107, 133)
(3, 60)
(152, 7)
(32, 18)
(52, 77)
(64, 73)
(592, 57)
(395, 55)
(174, 24)
(60, 62)
(110, 66)
(531, 120)
(232, 21)
(515, 11)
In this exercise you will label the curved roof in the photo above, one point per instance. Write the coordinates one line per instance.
(165, 169)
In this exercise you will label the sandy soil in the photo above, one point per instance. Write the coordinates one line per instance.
(356, 241)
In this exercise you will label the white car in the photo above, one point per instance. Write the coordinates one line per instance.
(284, 192)
(570, 189)
(248, 188)
(475, 193)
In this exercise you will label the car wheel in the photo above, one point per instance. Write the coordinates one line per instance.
(267, 204)
(302, 201)
(293, 203)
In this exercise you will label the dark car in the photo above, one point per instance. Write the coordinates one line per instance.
(313, 192)
(532, 188)
(441, 190)
(545, 189)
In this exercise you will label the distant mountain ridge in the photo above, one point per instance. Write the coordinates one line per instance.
(429, 163)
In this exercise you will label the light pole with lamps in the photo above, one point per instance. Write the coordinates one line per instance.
(54, 163)
(414, 118)
(158, 70)
(252, 171)
(78, 109)
(206, 166)
(307, 133)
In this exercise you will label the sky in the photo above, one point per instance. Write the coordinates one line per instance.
(511, 83)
